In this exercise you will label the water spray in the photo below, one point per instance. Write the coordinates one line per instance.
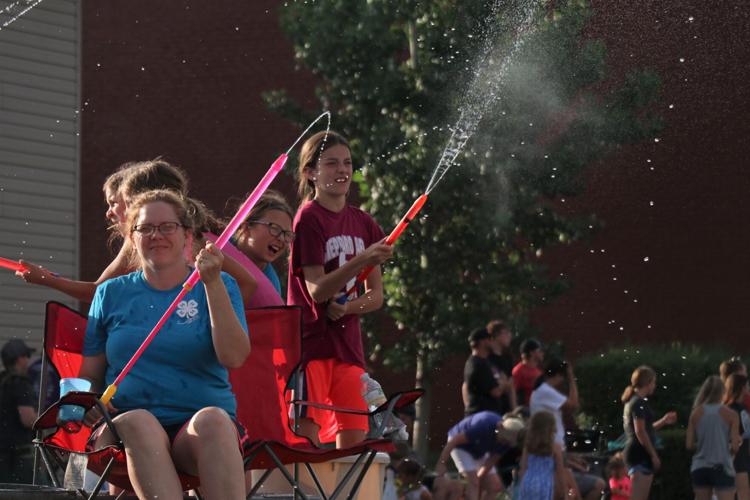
(8, 11)
(483, 92)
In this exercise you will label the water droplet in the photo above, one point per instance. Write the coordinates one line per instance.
(645, 259)
(682, 59)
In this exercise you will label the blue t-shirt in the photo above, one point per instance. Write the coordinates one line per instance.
(270, 273)
(480, 430)
(179, 373)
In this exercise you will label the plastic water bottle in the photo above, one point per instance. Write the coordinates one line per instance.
(372, 392)
(374, 396)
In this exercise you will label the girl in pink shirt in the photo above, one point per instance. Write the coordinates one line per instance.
(619, 482)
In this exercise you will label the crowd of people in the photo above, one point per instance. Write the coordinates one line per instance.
(516, 413)
(513, 437)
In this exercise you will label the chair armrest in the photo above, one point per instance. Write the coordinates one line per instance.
(394, 402)
(322, 406)
(399, 400)
(48, 419)
(87, 400)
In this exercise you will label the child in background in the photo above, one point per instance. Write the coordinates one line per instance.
(541, 462)
(408, 478)
(84, 290)
(731, 366)
(120, 188)
(619, 482)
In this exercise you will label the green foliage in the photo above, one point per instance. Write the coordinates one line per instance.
(394, 73)
(680, 368)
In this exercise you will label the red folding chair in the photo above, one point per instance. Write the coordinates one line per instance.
(63, 342)
(265, 404)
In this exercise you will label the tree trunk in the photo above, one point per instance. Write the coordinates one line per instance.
(411, 34)
(422, 420)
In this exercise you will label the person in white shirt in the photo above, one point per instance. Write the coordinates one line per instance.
(549, 396)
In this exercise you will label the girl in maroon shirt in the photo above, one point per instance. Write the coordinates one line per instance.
(334, 242)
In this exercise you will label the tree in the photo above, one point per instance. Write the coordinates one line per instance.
(394, 74)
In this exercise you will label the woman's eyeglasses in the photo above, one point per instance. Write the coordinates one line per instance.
(276, 231)
(165, 228)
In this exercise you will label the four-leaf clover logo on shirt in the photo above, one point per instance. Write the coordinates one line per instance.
(187, 309)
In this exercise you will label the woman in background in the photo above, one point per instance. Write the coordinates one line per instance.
(713, 432)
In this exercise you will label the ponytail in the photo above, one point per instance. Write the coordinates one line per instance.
(203, 218)
(627, 393)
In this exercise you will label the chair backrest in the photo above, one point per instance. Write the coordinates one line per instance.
(64, 330)
(259, 384)
(275, 334)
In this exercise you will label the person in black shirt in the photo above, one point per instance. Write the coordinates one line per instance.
(481, 389)
(640, 425)
(17, 414)
(501, 358)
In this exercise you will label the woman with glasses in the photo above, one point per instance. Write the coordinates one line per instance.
(175, 411)
(260, 241)
(159, 174)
